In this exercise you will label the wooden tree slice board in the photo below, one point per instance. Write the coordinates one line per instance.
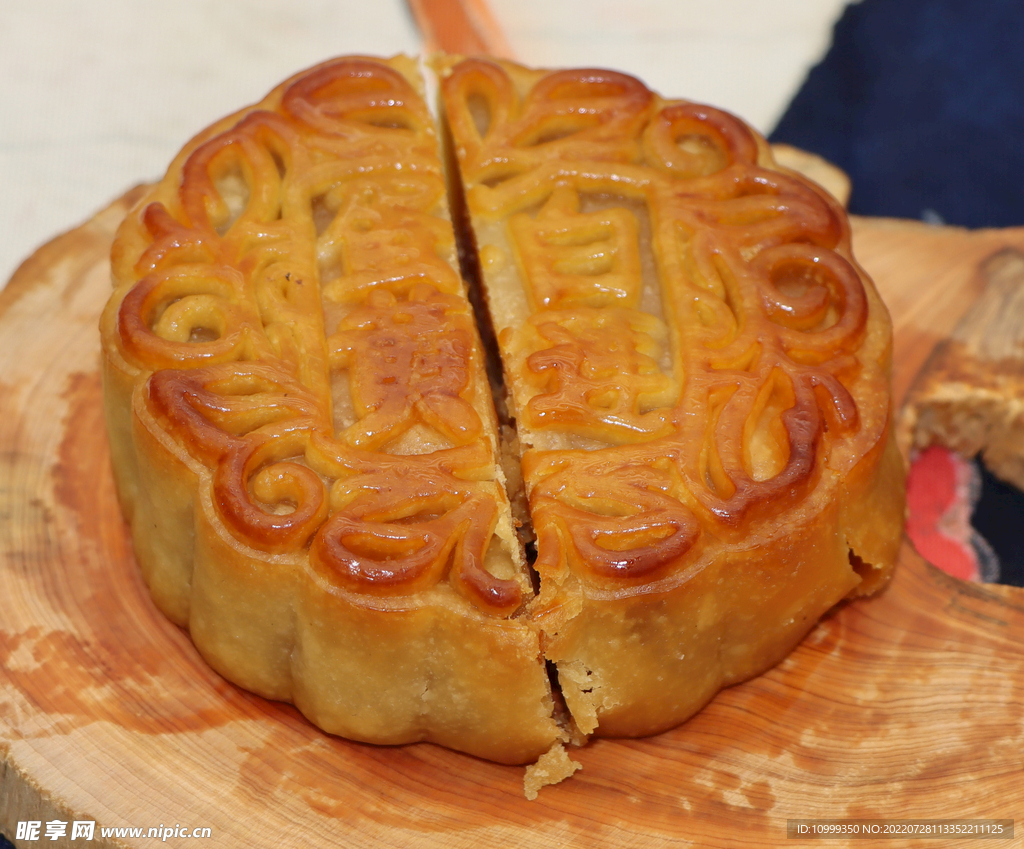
(906, 705)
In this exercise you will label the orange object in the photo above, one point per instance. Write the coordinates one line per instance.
(466, 27)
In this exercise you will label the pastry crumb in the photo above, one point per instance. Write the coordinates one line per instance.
(553, 766)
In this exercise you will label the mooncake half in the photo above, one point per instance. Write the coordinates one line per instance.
(303, 435)
(699, 375)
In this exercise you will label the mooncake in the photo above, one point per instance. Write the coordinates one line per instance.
(688, 464)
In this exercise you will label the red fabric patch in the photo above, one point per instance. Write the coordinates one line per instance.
(941, 493)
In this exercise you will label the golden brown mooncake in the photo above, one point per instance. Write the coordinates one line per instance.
(699, 374)
(304, 437)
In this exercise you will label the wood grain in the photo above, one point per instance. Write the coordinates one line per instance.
(906, 705)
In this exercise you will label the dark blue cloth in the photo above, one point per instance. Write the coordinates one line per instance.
(921, 102)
